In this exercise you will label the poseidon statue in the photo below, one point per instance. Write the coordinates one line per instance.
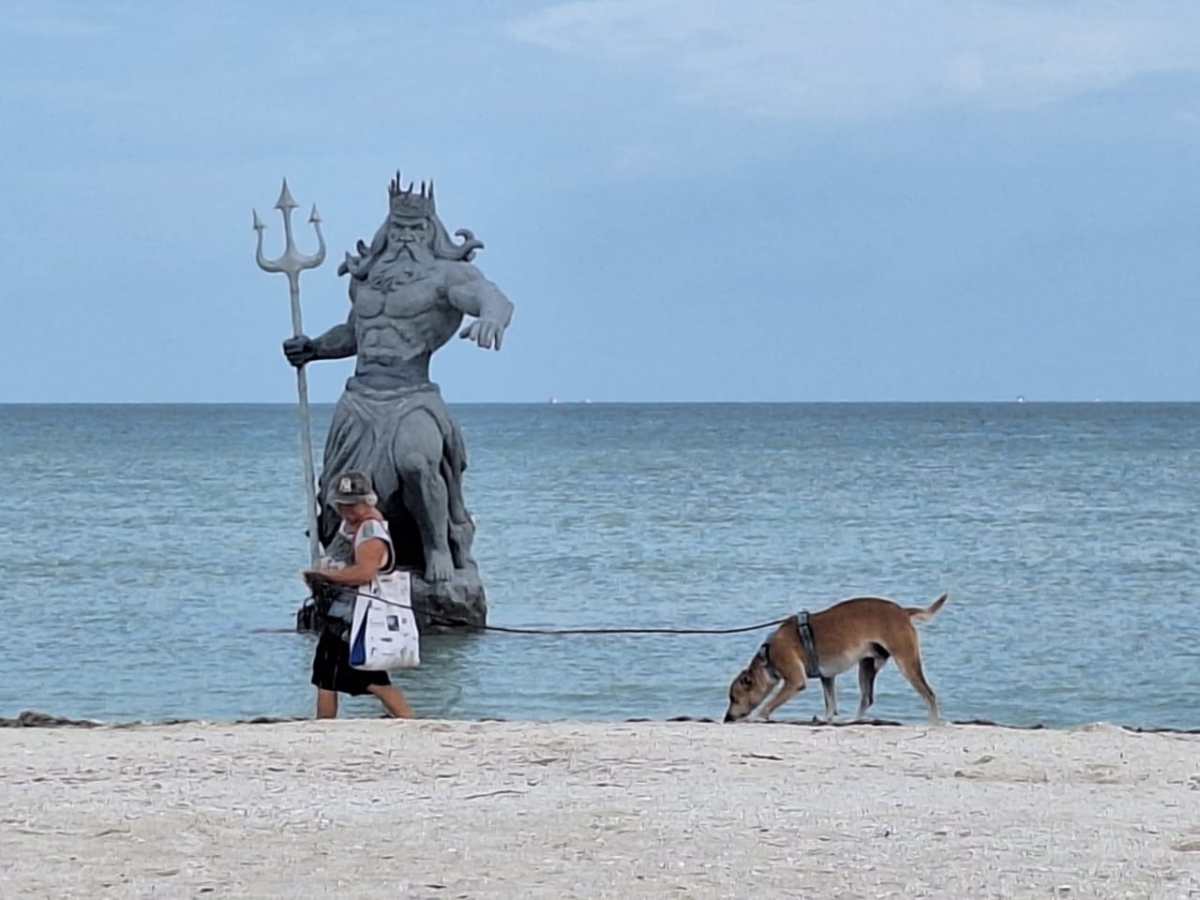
(409, 291)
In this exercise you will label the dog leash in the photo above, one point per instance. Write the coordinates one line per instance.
(460, 623)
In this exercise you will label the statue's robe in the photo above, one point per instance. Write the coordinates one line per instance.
(363, 437)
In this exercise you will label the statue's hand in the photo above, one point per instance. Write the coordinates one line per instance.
(300, 350)
(486, 334)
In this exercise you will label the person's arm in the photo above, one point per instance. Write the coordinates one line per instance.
(369, 558)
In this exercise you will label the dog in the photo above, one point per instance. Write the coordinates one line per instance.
(865, 630)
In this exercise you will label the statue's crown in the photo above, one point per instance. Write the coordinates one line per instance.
(410, 202)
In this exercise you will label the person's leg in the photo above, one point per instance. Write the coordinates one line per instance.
(324, 675)
(393, 700)
(327, 704)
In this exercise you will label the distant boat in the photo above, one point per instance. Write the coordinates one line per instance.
(553, 399)
(1020, 398)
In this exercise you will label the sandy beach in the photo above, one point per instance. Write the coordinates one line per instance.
(371, 808)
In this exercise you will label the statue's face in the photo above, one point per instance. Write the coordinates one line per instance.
(407, 232)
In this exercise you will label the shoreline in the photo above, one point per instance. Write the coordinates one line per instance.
(31, 718)
(429, 808)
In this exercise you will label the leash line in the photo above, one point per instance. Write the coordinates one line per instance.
(554, 632)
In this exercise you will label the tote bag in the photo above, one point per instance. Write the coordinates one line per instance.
(383, 633)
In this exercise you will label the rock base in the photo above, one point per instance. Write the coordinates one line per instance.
(439, 607)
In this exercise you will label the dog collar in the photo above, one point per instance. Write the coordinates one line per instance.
(812, 667)
(764, 653)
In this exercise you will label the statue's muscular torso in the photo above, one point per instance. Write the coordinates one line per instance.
(401, 315)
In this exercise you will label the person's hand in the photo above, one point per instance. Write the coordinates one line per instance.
(300, 350)
(313, 578)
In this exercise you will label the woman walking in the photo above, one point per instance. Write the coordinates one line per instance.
(360, 551)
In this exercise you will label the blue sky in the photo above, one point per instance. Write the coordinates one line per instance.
(685, 200)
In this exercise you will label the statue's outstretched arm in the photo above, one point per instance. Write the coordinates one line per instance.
(337, 343)
(474, 295)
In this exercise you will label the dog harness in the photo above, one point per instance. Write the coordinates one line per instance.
(812, 668)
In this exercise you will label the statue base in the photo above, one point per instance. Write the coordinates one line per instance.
(449, 605)
(439, 607)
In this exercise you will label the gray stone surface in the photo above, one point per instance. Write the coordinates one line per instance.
(410, 289)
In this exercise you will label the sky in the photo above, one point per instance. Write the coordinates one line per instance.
(686, 200)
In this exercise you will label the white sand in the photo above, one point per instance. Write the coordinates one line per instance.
(430, 809)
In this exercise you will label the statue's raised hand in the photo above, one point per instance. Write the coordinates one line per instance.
(300, 350)
(485, 333)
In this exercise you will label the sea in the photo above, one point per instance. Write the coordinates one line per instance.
(150, 557)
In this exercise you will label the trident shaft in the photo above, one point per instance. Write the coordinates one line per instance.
(292, 263)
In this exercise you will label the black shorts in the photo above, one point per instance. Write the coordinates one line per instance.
(331, 669)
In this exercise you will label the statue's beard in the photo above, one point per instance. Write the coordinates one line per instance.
(403, 251)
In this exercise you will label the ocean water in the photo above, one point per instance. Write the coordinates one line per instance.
(142, 546)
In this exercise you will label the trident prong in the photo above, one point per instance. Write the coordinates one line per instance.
(292, 263)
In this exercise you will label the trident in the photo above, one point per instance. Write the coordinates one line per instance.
(292, 264)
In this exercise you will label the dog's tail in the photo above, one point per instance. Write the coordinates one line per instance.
(924, 615)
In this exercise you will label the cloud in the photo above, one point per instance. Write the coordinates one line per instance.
(809, 59)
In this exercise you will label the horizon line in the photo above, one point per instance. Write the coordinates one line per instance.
(556, 402)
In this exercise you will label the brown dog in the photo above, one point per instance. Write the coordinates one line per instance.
(865, 630)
